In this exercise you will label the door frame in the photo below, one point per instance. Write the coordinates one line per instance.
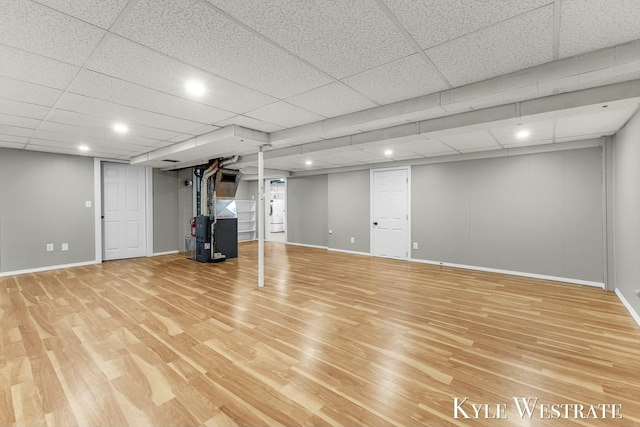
(97, 205)
(267, 220)
(371, 191)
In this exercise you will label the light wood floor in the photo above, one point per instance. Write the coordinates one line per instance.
(333, 339)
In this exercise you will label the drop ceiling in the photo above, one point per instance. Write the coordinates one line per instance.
(293, 74)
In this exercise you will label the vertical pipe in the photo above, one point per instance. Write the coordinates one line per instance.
(260, 214)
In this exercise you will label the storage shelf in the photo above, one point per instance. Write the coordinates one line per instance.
(246, 209)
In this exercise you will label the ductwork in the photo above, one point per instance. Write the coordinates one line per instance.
(204, 187)
(227, 182)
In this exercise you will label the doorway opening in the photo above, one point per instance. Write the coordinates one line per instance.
(276, 210)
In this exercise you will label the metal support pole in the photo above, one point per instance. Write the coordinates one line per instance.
(260, 218)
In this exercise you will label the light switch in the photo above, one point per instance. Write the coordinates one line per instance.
(87, 204)
(64, 247)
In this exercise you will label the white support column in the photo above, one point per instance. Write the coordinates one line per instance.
(260, 214)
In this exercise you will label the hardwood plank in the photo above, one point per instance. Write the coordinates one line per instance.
(333, 339)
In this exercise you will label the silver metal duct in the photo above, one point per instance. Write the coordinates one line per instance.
(227, 182)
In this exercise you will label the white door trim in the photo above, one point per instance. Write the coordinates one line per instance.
(97, 205)
(371, 172)
(148, 175)
(267, 219)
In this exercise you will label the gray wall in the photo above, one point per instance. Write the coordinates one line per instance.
(626, 201)
(42, 200)
(307, 210)
(246, 189)
(165, 211)
(348, 210)
(539, 213)
(185, 206)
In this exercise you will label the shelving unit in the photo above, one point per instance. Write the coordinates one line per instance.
(246, 220)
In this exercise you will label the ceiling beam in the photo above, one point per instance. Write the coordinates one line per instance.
(563, 104)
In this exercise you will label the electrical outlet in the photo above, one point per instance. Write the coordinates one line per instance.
(415, 245)
(49, 247)
(87, 204)
(353, 240)
(64, 247)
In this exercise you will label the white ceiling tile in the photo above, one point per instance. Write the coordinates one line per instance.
(121, 113)
(340, 37)
(604, 122)
(150, 135)
(198, 35)
(250, 123)
(129, 61)
(383, 139)
(332, 158)
(79, 119)
(22, 109)
(405, 78)
(24, 122)
(476, 149)
(334, 99)
(396, 152)
(73, 151)
(15, 131)
(364, 156)
(14, 139)
(470, 141)
(203, 129)
(28, 92)
(538, 131)
(427, 147)
(102, 13)
(61, 139)
(21, 65)
(27, 25)
(284, 114)
(587, 25)
(7, 144)
(436, 21)
(282, 165)
(498, 49)
(100, 86)
(528, 143)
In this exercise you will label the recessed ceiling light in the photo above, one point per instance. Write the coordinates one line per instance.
(121, 128)
(83, 147)
(388, 152)
(308, 163)
(195, 88)
(523, 134)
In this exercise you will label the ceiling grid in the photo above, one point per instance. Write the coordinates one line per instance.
(304, 73)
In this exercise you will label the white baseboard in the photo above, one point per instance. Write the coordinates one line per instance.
(513, 273)
(349, 252)
(306, 246)
(47, 268)
(165, 253)
(634, 313)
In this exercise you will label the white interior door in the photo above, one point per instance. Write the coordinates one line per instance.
(123, 210)
(390, 213)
